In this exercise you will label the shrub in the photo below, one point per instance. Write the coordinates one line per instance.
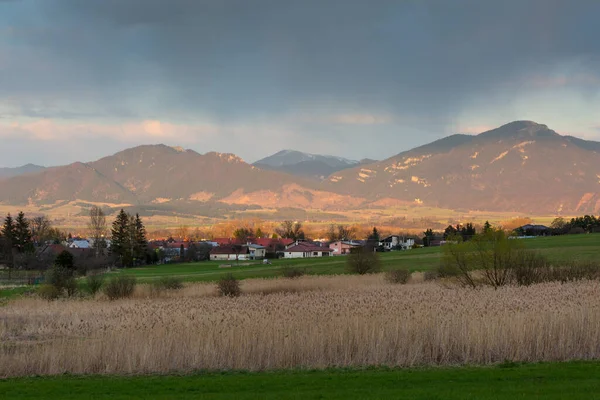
(362, 261)
(62, 279)
(120, 286)
(229, 286)
(397, 276)
(48, 292)
(94, 283)
(168, 283)
(430, 275)
(529, 268)
(574, 272)
(293, 272)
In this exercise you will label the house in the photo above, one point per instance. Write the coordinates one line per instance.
(533, 230)
(395, 242)
(390, 242)
(306, 249)
(342, 247)
(256, 251)
(79, 244)
(230, 252)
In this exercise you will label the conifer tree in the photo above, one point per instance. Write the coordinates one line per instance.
(8, 239)
(23, 240)
(121, 239)
(139, 238)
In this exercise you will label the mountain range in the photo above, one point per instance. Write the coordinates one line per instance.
(306, 164)
(25, 169)
(521, 166)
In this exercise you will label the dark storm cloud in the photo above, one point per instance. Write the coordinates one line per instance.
(233, 60)
(239, 57)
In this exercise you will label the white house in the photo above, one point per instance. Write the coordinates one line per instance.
(256, 251)
(238, 252)
(304, 250)
(393, 242)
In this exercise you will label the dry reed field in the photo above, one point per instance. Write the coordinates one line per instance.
(309, 322)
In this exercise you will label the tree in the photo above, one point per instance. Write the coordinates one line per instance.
(259, 233)
(237, 249)
(363, 260)
(41, 229)
(139, 238)
(428, 236)
(243, 234)
(182, 232)
(23, 241)
(62, 275)
(374, 236)
(487, 227)
(340, 232)
(121, 239)
(97, 229)
(468, 231)
(559, 226)
(8, 239)
(290, 230)
(451, 231)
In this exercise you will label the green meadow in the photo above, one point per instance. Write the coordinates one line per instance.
(573, 380)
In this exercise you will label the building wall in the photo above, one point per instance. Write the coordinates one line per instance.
(299, 254)
(229, 257)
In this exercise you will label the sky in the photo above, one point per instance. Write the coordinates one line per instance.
(80, 80)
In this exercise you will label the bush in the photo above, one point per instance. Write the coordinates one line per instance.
(229, 286)
(168, 283)
(120, 286)
(62, 279)
(529, 268)
(362, 261)
(293, 272)
(430, 275)
(397, 276)
(48, 292)
(574, 272)
(94, 283)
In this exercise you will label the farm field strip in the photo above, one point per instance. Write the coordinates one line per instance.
(552, 381)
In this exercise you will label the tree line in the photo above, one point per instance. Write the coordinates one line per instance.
(23, 240)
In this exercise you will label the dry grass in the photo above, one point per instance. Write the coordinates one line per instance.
(309, 322)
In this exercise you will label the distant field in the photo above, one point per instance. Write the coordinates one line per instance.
(558, 249)
(72, 215)
(575, 380)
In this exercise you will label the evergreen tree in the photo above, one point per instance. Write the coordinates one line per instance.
(139, 238)
(428, 236)
(374, 236)
(121, 239)
(23, 240)
(8, 239)
(487, 227)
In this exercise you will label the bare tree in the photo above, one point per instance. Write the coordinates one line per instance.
(290, 230)
(97, 229)
(182, 232)
(40, 228)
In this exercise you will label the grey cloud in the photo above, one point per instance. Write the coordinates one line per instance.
(238, 60)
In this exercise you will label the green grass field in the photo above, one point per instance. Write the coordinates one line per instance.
(575, 380)
(558, 249)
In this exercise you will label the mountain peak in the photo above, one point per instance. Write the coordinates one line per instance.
(520, 129)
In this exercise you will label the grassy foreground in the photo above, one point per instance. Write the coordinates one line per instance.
(574, 380)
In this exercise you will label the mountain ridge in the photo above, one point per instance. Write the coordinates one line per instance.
(521, 166)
